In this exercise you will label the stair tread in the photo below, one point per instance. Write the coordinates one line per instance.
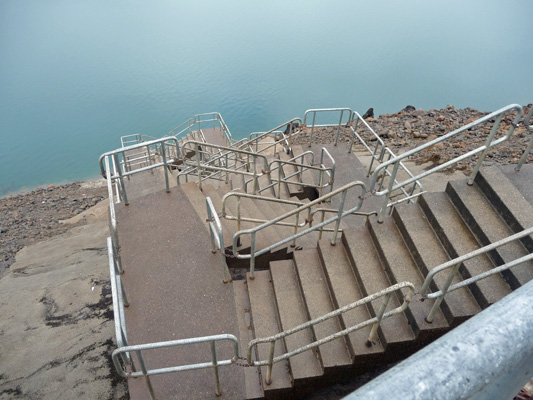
(345, 290)
(508, 199)
(265, 324)
(459, 241)
(318, 302)
(292, 313)
(402, 268)
(372, 279)
(252, 377)
(489, 227)
(429, 253)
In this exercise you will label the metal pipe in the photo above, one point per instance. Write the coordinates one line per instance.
(444, 290)
(490, 356)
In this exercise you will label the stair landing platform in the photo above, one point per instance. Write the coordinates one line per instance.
(193, 302)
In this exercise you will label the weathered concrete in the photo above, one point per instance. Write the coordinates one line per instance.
(56, 329)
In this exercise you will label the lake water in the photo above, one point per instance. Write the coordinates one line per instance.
(76, 75)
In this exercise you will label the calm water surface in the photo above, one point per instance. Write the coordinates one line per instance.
(76, 75)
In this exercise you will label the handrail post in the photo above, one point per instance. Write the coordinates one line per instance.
(252, 256)
(218, 392)
(339, 128)
(493, 131)
(268, 380)
(163, 152)
(312, 129)
(379, 317)
(145, 374)
(392, 178)
(338, 221)
(444, 290)
(120, 180)
(199, 172)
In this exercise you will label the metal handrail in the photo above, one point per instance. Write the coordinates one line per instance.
(146, 373)
(200, 166)
(217, 239)
(287, 139)
(375, 322)
(122, 174)
(119, 297)
(457, 262)
(342, 191)
(527, 122)
(314, 111)
(490, 142)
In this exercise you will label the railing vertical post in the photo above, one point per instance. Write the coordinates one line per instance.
(252, 256)
(120, 179)
(444, 289)
(312, 129)
(145, 373)
(296, 220)
(527, 121)
(255, 174)
(338, 221)
(163, 152)
(487, 147)
(392, 178)
(268, 380)
(379, 317)
(218, 392)
(279, 181)
(339, 128)
(199, 172)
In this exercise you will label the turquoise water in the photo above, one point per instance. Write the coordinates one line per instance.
(76, 75)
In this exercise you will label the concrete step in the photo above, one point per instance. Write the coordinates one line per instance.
(265, 323)
(334, 354)
(401, 267)
(514, 208)
(394, 331)
(252, 376)
(488, 227)
(292, 312)
(289, 172)
(428, 253)
(458, 241)
(345, 290)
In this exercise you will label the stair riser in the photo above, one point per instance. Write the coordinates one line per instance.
(423, 268)
(478, 295)
(482, 238)
(506, 214)
(390, 274)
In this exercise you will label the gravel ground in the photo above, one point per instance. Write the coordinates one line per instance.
(31, 217)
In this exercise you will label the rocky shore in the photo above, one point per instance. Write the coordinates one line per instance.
(56, 325)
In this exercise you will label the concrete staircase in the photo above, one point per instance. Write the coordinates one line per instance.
(293, 285)
(372, 257)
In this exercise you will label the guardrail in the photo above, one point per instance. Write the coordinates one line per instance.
(300, 169)
(395, 161)
(188, 126)
(527, 122)
(146, 373)
(306, 209)
(227, 154)
(375, 322)
(342, 112)
(457, 262)
(285, 140)
(120, 153)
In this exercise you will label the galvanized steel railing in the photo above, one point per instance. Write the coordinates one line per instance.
(529, 125)
(119, 154)
(146, 373)
(195, 124)
(375, 322)
(395, 162)
(285, 140)
(229, 161)
(457, 262)
(301, 167)
(379, 153)
(305, 209)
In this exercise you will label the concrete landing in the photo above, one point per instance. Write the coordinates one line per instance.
(192, 302)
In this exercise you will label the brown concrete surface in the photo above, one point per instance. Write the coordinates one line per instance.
(174, 286)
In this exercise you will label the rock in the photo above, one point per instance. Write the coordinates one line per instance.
(409, 108)
(369, 114)
(407, 125)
